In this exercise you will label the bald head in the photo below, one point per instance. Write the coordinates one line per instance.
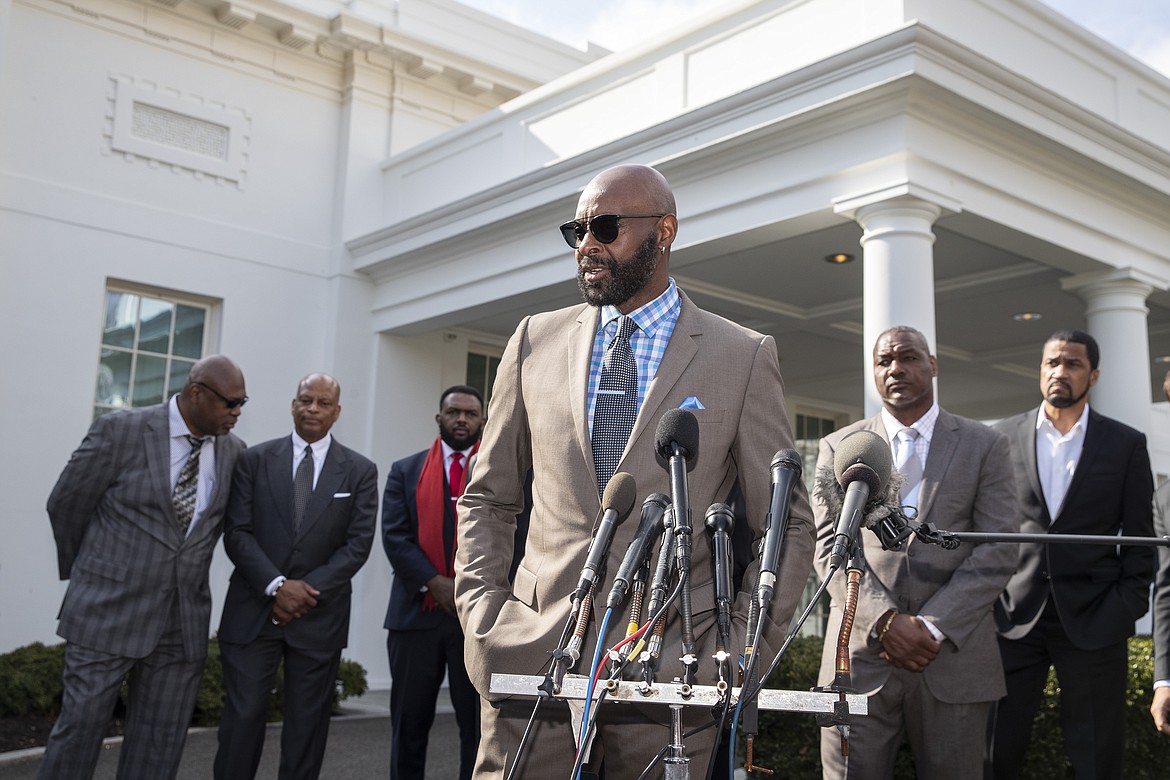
(213, 396)
(639, 186)
(630, 267)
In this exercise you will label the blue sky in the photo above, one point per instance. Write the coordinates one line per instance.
(1139, 27)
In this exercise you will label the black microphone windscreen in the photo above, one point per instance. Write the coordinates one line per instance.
(677, 426)
(788, 458)
(869, 449)
(620, 494)
(720, 518)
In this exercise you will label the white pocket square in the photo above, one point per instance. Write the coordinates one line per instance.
(342, 495)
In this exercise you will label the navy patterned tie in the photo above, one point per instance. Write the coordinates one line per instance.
(302, 488)
(186, 486)
(616, 405)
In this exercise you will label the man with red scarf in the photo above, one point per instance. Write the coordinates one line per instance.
(424, 639)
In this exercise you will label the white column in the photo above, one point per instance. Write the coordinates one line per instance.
(1115, 315)
(898, 258)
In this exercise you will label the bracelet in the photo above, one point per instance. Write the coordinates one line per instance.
(886, 627)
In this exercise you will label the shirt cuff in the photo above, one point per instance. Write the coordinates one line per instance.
(275, 585)
(1162, 683)
(938, 635)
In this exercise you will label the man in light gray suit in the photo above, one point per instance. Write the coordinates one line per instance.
(136, 515)
(545, 414)
(923, 642)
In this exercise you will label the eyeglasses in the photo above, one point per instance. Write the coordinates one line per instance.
(230, 403)
(604, 227)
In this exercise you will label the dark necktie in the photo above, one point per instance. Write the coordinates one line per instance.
(302, 488)
(186, 486)
(455, 475)
(616, 405)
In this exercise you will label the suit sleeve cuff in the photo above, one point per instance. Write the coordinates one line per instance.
(938, 635)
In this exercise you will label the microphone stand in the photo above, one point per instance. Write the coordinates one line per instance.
(562, 660)
(1022, 538)
(842, 683)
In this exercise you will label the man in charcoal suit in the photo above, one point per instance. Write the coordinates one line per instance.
(136, 515)
(923, 642)
(1073, 606)
(299, 526)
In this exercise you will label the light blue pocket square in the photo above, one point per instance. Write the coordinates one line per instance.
(691, 403)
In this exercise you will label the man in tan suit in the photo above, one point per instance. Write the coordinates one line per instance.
(542, 416)
(923, 644)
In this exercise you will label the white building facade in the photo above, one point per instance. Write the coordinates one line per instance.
(372, 189)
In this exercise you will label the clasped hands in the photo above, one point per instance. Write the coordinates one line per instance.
(293, 599)
(907, 643)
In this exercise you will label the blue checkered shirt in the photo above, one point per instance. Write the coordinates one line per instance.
(655, 321)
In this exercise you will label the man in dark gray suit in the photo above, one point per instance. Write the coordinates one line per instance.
(923, 643)
(1160, 706)
(136, 514)
(299, 525)
(1073, 606)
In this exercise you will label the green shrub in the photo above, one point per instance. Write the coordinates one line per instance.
(30, 681)
(31, 685)
(789, 743)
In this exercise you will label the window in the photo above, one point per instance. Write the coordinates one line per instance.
(150, 340)
(482, 363)
(810, 429)
(809, 432)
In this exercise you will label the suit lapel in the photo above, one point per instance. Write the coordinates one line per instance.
(680, 351)
(1094, 438)
(279, 467)
(332, 473)
(156, 442)
(942, 449)
(1026, 445)
(580, 350)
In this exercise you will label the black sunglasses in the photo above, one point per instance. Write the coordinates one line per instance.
(230, 403)
(604, 227)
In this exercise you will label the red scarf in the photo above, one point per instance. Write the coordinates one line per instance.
(430, 496)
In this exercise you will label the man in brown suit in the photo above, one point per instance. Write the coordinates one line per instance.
(923, 644)
(542, 414)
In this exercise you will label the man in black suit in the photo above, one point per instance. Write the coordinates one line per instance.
(136, 514)
(424, 639)
(1073, 607)
(299, 525)
(1160, 706)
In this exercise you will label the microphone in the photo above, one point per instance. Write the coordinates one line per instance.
(617, 501)
(720, 521)
(786, 469)
(862, 465)
(649, 527)
(676, 442)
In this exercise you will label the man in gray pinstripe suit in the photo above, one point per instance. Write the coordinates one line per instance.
(138, 602)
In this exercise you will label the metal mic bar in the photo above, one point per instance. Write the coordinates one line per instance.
(575, 687)
(977, 536)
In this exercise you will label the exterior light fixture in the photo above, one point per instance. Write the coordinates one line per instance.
(839, 258)
(1027, 316)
